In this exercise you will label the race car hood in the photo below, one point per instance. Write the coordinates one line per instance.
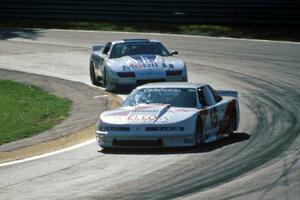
(146, 64)
(147, 114)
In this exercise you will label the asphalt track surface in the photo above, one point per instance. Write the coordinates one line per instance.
(261, 162)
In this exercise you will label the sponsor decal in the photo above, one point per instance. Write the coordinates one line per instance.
(145, 62)
(139, 65)
(141, 62)
(142, 118)
(162, 90)
(144, 111)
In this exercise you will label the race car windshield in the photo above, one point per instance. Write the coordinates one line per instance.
(177, 97)
(138, 48)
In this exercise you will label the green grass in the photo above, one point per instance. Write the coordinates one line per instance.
(26, 110)
(271, 32)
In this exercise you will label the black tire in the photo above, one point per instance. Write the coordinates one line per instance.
(231, 125)
(93, 75)
(104, 81)
(107, 85)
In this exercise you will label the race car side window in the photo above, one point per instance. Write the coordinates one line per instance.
(208, 96)
(215, 94)
(201, 97)
(106, 48)
(205, 96)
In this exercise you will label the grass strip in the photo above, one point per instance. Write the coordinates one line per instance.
(26, 110)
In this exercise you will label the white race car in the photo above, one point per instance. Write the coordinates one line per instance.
(134, 62)
(170, 115)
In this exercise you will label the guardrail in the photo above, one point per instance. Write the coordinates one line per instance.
(191, 11)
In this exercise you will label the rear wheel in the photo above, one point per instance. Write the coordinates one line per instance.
(231, 125)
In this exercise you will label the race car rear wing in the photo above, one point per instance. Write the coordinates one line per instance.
(97, 47)
(228, 93)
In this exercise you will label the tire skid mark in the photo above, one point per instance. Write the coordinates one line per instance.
(287, 168)
(50, 173)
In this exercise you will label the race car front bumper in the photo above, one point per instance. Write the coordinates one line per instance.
(116, 80)
(160, 139)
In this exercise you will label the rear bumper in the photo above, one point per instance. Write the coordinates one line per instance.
(157, 140)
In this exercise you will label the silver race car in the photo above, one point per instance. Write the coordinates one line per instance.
(170, 115)
(134, 62)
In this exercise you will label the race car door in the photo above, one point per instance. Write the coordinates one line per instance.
(212, 115)
(224, 110)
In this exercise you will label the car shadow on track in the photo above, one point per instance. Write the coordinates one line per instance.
(9, 33)
(123, 90)
(203, 148)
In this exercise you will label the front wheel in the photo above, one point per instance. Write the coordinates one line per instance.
(93, 75)
(104, 81)
(108, 86)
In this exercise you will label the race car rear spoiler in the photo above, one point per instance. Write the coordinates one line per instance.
(228, 93)
(97, 47)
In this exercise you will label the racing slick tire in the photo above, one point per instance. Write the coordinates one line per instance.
(231, 125)
(108, 86)
(93, 75)
(104, 79)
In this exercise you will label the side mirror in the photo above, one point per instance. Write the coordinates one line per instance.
(174, 53)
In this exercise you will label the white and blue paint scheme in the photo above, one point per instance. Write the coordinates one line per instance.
(134, 62)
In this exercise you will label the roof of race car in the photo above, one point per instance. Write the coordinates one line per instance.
(133, 40)
(171, 85)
